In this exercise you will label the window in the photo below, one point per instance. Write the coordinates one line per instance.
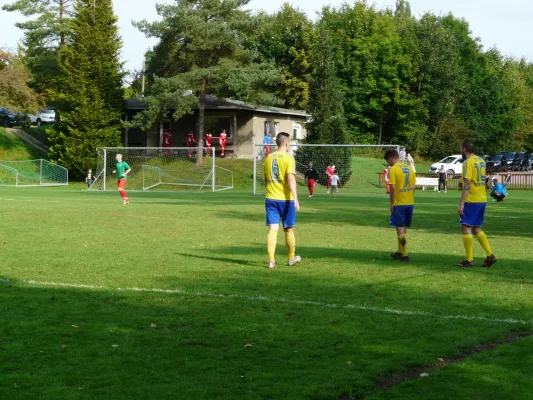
(296, 132)
(276, 128)
(267, 127)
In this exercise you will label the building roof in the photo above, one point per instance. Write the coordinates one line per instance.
(212, 103)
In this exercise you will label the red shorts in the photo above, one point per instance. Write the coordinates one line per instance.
(122, 183)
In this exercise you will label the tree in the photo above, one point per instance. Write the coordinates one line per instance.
(15, 93)
(46, 30)
(328, 125)
(200, 53)
(91, 98)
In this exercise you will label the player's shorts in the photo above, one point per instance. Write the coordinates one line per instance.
(280, 210)
(401, 216)
(473, 214)
(122, 183)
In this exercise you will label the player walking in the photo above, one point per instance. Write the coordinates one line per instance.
(472, 206)
(190, 142)
(89, 178)
(335, 183)
(281, 202)
(208, 142)
(311, 175)
(267, 141)
(223, 140)
(122, 169)
(402, 181)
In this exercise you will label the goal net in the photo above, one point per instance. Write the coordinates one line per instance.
(162, 169)
(32, 173)
(322, 155)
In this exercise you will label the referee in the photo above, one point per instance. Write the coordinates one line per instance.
(311, 175)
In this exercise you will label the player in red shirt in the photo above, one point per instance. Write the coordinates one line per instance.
(190, 142)
(385, 176)
(330, 171)
(167, 140)
(208, 142)
(222, 140)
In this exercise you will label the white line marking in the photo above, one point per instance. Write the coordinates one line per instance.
(280, 300)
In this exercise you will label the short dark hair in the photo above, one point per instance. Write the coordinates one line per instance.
(282, 138)
(391, 154)
(468, 145)
(495, 180)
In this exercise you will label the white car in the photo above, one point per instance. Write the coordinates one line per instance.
(453, 165)
(44, 117)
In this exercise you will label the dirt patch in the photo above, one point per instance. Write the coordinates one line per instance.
(419, 372)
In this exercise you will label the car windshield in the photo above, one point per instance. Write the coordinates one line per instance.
(48, 112)
(448, 160)
(508, 155)
(496, 158)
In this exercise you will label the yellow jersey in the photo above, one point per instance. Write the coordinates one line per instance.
(403, 177)
(277, 166)
(474, 170)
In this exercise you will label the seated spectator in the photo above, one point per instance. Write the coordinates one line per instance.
(498, 192)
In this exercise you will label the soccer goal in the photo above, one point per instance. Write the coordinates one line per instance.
(322, 155)
(32, 173)
(162, 169)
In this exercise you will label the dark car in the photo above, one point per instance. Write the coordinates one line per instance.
(7, 118)
(519, 159)
(528, 163)
(507, 160)
(494, 164)
(22, 120)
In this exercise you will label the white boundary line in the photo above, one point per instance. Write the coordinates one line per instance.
(278, 300)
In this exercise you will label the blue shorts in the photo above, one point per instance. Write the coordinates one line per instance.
(280, 210)
(473, 214)
(401, 216)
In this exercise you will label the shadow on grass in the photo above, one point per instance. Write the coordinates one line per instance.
(78, 343)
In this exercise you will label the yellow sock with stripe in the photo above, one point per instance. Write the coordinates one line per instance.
(290, 240)
(484, 242)
(271, 245)
(468, 241)
(400, 250)
(402, 243)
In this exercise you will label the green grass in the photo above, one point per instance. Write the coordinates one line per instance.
(14, 149)
(39, 133)
(228, 328)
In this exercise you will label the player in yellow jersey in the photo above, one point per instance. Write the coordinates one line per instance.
(472, 205)
(281, 199)
(402, 181)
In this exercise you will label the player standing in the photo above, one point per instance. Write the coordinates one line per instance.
(402, 181)
(472, 206)
(267, 141)
(385, 176)
(281, 202)
(190, 142)
(89, 178)
(223, 140)
(122, 169)
(335, 183)
(311, 175)
(329, 172)
(167, 140)
(208, 142)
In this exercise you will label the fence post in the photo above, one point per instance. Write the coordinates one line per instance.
(213, 172)
(105, 168)
(41, 173)
(255, 168)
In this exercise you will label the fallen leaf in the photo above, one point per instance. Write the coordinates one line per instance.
(153, 326)
(441, 359)
(424, 374)
(64, 346)
(74, 326)
(114, 345)
(248, 345)
(349, 362)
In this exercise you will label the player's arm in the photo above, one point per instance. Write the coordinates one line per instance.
(291, 179)
(467, 184)
(392, 189)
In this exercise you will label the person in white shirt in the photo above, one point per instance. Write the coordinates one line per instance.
(402, 154)
(411, 161)
(335, 183)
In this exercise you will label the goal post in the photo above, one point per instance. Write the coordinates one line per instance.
(38, 172)
(320, 154)
(162, 169)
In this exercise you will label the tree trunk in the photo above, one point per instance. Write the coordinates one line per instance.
(61, 14)
(201, 120)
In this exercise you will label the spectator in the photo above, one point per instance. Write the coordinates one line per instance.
(499, 191)
(443, 178)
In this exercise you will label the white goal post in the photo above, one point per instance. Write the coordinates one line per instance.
(162, 169)
(321, 155)
(28, 173)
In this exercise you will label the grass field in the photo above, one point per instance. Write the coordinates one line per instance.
(169, 298)
(14, 149)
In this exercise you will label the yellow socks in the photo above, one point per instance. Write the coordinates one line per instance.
(290, 240)
(468, 241)
(402, 245)
(484, 242)
(271, 245)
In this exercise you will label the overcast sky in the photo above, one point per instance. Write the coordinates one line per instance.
(504, 24)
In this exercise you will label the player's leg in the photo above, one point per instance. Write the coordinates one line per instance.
(310, 186)
(289, 221)
(122, 191)
(467, 221)
(401, 219)
(273, 219)
(482, 237)
(328, 186)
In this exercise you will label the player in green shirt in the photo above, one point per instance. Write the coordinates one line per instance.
(122, 169)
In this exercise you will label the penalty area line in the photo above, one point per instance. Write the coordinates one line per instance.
(384, 310)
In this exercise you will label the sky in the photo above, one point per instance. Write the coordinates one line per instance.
(504, 24)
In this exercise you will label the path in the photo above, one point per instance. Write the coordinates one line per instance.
(28, 139)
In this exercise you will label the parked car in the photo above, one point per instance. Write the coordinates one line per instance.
(518, 162)
(507, 160)
(494, 164)
(528, 163)
(7, 118)
(43, 117)
(22, 120)
(453, 165)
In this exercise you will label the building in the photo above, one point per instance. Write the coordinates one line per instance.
(245, 125)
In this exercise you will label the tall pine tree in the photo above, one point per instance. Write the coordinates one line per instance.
(91, 98)
(201, 52)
